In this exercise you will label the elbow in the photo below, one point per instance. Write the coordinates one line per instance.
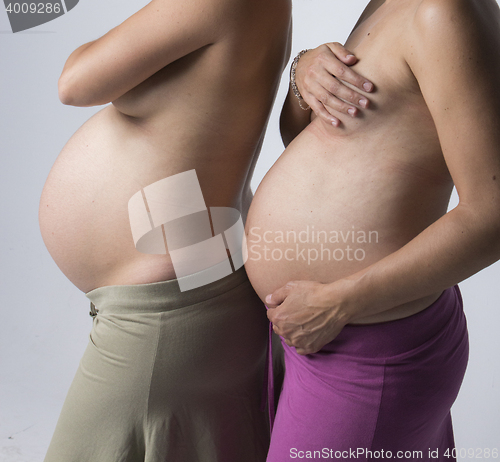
(495, 232)
(74, 93)
(65, 92)
(287, 135)
(492, 240)
(68, 93)
(286, 139)
(292, 121)
(485, 219)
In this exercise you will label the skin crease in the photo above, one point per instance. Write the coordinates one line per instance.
(179, 76)
(432, 123)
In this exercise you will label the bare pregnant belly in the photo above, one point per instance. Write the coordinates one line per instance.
(84, 205)
(325, 212)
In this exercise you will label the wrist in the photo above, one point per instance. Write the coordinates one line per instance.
(347, 298)
(342, 299)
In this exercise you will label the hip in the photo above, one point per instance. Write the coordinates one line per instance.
(212, 336)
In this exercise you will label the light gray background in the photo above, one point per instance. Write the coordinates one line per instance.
(45, 324)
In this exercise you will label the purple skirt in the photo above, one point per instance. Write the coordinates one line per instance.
(377, 391)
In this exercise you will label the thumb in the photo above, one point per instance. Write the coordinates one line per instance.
(343, 54)
(278, 296)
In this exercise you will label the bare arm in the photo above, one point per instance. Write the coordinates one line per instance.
(163, 31)
(316, 79)
(450, 40)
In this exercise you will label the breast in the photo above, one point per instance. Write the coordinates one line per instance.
(330, 207)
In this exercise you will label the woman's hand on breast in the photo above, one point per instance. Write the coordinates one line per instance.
(306, 315)
(320, 75)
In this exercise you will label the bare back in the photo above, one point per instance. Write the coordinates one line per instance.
(206, 111)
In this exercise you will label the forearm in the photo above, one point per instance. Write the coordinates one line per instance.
(293, 119)
(157, 35)
(73, 68)
(455, 247)
(101, 71)
(76, 56)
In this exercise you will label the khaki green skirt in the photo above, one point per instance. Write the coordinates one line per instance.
(169, 376)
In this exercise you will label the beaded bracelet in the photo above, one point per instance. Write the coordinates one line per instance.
(295, 90)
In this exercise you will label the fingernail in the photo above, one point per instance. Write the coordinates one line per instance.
(363, 102)
(335, 122)
(368, 86)
(350, 56)
(352, 111)
(269, 298)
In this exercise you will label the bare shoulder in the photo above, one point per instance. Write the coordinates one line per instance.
(470, 19)
(462, 35)
(452, 51)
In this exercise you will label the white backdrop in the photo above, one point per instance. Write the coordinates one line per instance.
(44, 324)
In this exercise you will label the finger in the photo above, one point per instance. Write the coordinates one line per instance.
(276, 330)
(348, 98)
(341, 71)
(308, 350)
(329, 73)
(271, 315)
(342, 53)
(329, 107)
(320, 110)
(331, 93)
(279, 332)
(277, 297)
(301, 351)
(320, 99)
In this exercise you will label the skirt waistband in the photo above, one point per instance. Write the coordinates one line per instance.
(402, 335)
(157, 297)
